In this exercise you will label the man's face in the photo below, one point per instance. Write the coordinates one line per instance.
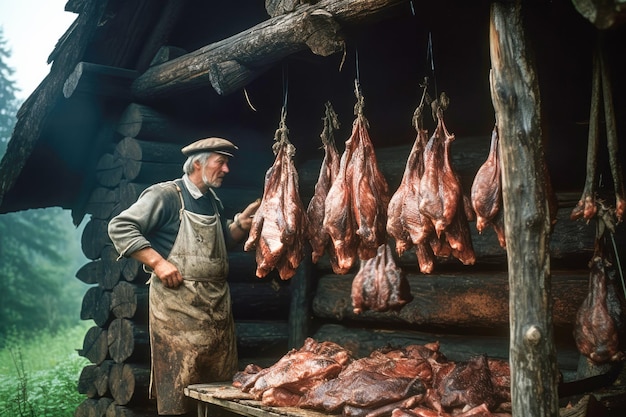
(214, 169)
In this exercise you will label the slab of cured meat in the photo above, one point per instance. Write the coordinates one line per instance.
(380, 285)
(415, 378)
(486, 194)
(355, 213)
(318, 236)
(599, 327)
(279, 227)
(428, 211)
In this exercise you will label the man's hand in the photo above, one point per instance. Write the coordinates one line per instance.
(242, 223)
(166, 271)
(245, 218)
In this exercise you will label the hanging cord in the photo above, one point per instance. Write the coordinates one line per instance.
(360, 100)
(281, 135)
(285, 85)
(430, 59)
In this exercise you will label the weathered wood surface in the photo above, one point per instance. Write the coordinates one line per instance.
(115, 410)
(102, 80)
(260, 337)
(128, 383)
(142, 171)
(477, 299)
(130, 192)
(101, 380)
(103, 203)
(254, 300)
(109, 170)
(143, 122)
(91, 272)
(300, 307)
(517, 103)
(130, 301)
(95, 345)
(260, 46)
(96, 305)
(86, 381)
(148, 151)
(128, 341)
(92, 407)
(95, 238)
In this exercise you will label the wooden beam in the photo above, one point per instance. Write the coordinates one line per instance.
(259, 47)
(516, 100)
(101, 80)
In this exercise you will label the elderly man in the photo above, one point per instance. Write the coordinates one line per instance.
(176, 229)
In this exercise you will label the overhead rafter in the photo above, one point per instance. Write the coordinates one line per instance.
(230, 64)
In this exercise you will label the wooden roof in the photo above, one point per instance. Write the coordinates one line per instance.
(69, 122)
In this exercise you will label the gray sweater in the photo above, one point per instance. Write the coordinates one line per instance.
(153, 221)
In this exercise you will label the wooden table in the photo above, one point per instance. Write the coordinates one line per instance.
(215, 397)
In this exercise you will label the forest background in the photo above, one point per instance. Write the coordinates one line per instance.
(40, 301)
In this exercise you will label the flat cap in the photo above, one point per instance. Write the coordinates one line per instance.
(218, 145)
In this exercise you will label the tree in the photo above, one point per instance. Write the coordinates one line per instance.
(8, 101)
(39, 250)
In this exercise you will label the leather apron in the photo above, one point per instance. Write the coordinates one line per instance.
(192, 330)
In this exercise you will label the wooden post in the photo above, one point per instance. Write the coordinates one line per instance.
(516, 99)
(300, 308)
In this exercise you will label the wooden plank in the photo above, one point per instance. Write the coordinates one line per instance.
(210, 393)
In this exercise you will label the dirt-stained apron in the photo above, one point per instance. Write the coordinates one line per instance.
(192, 331)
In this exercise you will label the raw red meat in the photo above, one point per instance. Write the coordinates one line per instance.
(380, 285)
(329, 170)
(355, 215)
(439, 189)
(279, 225)
(486, 191)
(296, 372)
(599, 318)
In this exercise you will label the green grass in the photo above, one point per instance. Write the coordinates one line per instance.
(38, 376)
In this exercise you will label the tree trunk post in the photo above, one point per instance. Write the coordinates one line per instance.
(516, 99)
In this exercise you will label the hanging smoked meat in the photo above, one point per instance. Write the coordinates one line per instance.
(600, 320)
(329, 170)
(405, 223)
(587, 207)
(486, 194)
(355, 214)
(380, 285)
(439, 189)
(278, 230)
